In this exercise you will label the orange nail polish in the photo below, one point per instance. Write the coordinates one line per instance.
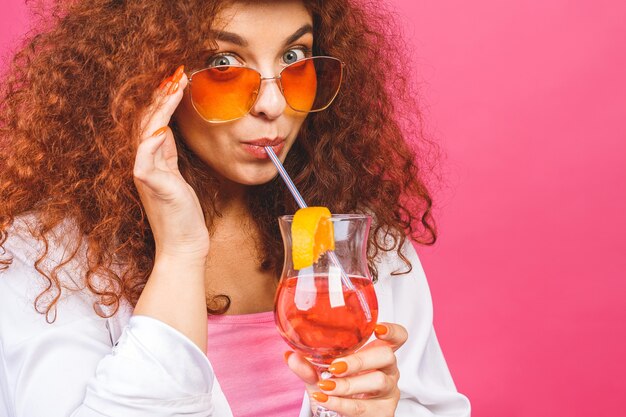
(287, 355)
(160, 131)
(178, 74)
(380, 330)
(338, 368)
(164, 84)
(173, 88)
(320, 397)
(327, 385)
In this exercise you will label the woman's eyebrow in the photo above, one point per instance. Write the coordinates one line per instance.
(222, 35)
(298, 33)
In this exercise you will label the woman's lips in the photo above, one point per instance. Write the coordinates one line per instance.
(256, 147)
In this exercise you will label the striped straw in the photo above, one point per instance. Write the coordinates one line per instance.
(283, 173)
(302, 204)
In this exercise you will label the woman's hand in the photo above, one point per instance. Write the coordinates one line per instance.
(364, 383)
(175, 290)
(171, 205)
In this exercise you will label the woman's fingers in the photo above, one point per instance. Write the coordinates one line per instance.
(166, 156)
(376, 356)
(374, 384)
(354, 407)
(163, 157)
(372, 357)
(394, 334)
(301, 367)
(364, 383)
(166, 99)
(371, 384)
(145, 168)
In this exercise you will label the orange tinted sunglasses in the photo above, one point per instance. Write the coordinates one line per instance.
(228, 92)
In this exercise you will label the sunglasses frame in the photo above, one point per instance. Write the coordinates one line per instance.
(261, 79)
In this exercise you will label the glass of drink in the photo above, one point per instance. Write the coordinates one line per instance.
(329, 309)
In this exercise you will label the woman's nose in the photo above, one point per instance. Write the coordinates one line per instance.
(270, 102)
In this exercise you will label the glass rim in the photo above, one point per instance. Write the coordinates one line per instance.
(333, 217)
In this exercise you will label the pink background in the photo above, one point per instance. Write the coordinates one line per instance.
(528, 99)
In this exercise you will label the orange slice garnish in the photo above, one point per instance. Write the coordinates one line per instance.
(312, 234)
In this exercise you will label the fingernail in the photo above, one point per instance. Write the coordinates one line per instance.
(160, 131)
(165, 84)
(327, 385)
(320, 397)
(287, 355)
(338, 368)
(380, 330)
(173, 88)
(178, 74)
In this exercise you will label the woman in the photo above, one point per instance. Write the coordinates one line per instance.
(130, 210)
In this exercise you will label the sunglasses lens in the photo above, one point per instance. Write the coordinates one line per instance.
(311, 84)
(221, 94)
(224, 93)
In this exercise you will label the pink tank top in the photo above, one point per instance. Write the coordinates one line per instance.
(246, 352)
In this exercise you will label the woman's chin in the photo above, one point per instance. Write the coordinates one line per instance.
(249, 179)
(260, 180)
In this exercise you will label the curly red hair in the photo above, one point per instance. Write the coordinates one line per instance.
(70, 108)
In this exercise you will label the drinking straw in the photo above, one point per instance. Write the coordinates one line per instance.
(283, 173)
(302, 204)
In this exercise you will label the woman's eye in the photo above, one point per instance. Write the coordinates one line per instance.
(293, 55)
(221, 60)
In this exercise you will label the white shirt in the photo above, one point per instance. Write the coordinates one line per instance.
(83, 365)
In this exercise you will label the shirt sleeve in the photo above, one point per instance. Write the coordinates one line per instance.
(71, 368)
(426, 386)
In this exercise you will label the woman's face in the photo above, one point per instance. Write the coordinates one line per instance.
(265, 36)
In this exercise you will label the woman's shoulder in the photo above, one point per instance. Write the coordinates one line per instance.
(400, 258)
(25, 291)
(62, 251)
(402, 286)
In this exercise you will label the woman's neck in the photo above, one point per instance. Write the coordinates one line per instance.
(229, 204)
(233, 265)
(232, 201)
